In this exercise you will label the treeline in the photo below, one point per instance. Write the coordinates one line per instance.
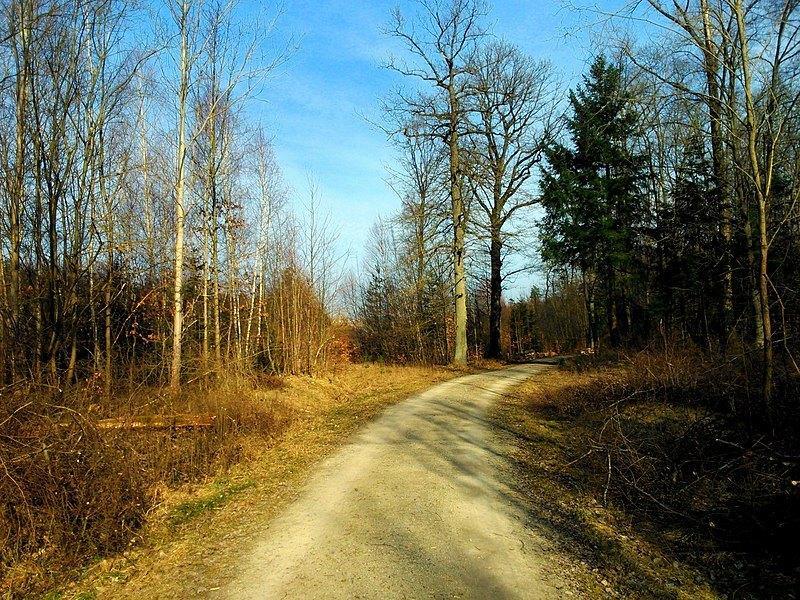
(667, 183)
(469, 137)
(146, 234)
(550, 320)
(674, 196)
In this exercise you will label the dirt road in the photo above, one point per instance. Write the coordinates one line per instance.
(415, 507)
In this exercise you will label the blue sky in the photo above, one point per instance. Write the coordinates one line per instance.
(315, 106)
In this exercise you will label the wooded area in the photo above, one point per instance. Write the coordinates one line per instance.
(664, 191)
(150, 245)
(666, 184)
(146, 229)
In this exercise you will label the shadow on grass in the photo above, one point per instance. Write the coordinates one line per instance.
(695, 543)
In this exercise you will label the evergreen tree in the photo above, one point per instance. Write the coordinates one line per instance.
(375, 318)
(690, 283)
(593, 199)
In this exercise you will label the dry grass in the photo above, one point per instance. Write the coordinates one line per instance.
(567, 497)
(648, 473)
(70, 491)
(195, 528)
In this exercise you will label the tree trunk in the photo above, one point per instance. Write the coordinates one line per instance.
(180, 210)
(766, 320)
(762, 183)
(459, 233)
(216, 300)
(206, 277)
(109, 283)
(108, 342)
(720, 164)
(755, 294)
(22, 58)
(495, 294)
(588, 300)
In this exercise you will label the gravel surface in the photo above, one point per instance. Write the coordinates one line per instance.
(416, 506)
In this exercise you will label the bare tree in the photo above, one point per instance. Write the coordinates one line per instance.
(745, 51)
(442, 42)
(235, 72)
(515, 113)
(420, 182)
(765, 126)
(183, 18)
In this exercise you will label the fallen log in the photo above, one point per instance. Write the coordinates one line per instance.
(158, 422)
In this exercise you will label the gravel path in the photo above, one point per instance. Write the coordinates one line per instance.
(415, 507)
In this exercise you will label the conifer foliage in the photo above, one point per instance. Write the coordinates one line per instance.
(591, 194)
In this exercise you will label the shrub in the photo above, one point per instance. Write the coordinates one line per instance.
(70, 491)
(679, 438)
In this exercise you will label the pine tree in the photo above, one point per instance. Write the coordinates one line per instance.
(592, 196)
(691, 281)
(375, 317)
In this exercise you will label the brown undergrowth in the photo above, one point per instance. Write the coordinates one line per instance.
(662, 476)
(71, 493)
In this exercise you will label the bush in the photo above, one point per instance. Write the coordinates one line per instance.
(65, 484)
(70, 491)
(679, 439)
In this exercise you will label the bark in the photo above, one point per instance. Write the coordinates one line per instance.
(493, 350)
(755, 295)
(515, 113)
(16, 196)
(180, 209)
(762, 183)
(157, 422)
(251, 313)
(720, 162)
(459, 234)
(206, 278)
(216, 299)
(109, 348)
(591, 321)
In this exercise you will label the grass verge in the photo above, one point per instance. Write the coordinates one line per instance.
(653, 483)
(197, 531)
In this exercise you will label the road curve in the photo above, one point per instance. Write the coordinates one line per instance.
(416, 506)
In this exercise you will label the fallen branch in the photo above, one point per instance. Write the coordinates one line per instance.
(158, 422)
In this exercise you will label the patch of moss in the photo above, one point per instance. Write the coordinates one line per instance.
(221, 493)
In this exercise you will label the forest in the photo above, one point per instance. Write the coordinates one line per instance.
(153, 257)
